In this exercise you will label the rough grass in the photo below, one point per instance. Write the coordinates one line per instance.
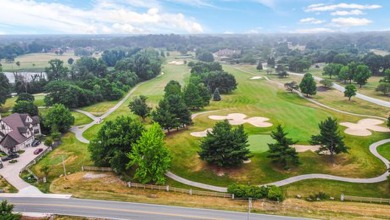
(36, 61)
(80, 119)
(6, 187)
(112, 188)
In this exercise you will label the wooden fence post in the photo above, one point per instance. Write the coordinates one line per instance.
(232, 196)
(129, 184)
(167, 188)
(190, 191)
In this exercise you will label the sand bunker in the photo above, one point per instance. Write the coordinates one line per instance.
(239, 119)
(303, 148)
(363, 127)
(177, 62)
(257, 77)
(201, 133)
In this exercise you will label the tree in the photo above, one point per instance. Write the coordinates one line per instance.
(164, 117)
(216, 95)
(25, 97)
(350, 90)
(179, 109)
(332, 69)
(56, 70)
(291, 86)
(326, 83)
(271, 62)
(45, 169)
(224, 81)
(388, 122)
(384, 88)
(281, 152)
(225, 146)
(308, 85)
(70, 61)
(386, 78)
(17, 63)
(362, 75)
(6, 211)
(139, 107)
(192, 97)
(259, 66)
(206, 57)
(5, 88)
(25, 107)
(114, 140)
(59, 118)
(343, 74)
(172, 88)
(150, 156)
(329, 138)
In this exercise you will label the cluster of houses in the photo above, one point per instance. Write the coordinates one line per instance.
(18, 131)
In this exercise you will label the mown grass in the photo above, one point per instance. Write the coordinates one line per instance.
(100, 108)
(80, 119)
(74, 154)
(384, 150)
(36, 61)
(10, 102)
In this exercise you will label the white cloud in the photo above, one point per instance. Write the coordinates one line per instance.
(106, 16)
(334, 7)
(268, 3)
(311, 21)
(345, 13)
(350, 22)
(314, 30)
(256, 30)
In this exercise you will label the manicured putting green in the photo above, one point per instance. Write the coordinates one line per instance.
(259, 143)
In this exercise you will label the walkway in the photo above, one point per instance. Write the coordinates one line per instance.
(373, 150)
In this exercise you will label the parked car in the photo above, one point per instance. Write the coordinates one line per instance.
(35, 143)
(10, 157)
(37, 151)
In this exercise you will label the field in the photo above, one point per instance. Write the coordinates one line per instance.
(39, 101)
(35, 62)
(80, 119)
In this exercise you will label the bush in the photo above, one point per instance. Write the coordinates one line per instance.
(275, 193)
(13, 161)
(246, 191)
(48, 142)
(318, 196)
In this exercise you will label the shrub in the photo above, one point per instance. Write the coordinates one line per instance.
(13, 161)
(275, 193)
(48, 142)
(247, 191)
(318, 196)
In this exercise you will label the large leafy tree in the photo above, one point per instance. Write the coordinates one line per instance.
(281, 152)
(362, 74)
(332, 69)
(329, 138)
(164, 117)
(150, 156)
(139, 107)
(5, 88)
(225, 146)
(25, 97)
(384, 88)
(114, 140)
(6, 211)
(56, 70)
(179, 109)
(308, 85)
(172, 88)
(59, 118)
(192, 97)
(25, 107)
(350, 90)
(224, 81)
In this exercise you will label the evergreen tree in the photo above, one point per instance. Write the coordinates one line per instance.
(224, 146)
(281, 152)
(163, 116)
(204, 92)
(259, 66)
(6, 211)
(329, 138)
(5, 88)
(139, 107)
(308, 85)
(350, 90)
(216, 95)
(179, 109)
(150, 156)
(172, 88)
(192, 97)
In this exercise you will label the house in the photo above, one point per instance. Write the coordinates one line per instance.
(18, 131)
(227, 53)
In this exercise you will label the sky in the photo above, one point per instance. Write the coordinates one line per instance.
(192, 16)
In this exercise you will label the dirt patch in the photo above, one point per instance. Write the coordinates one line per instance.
(239, 119)
(177, 62)
(201, 133)
(94, 176)
(303, 148)
(364, 127)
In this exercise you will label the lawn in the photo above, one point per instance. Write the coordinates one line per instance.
(80, 119)
(35, 62)
(384, 150)
(259, 143)
(10, 102)
(100, 108)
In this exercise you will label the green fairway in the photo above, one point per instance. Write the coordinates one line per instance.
(259, 143)
(80, 119)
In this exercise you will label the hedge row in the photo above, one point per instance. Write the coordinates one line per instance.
(257, 192)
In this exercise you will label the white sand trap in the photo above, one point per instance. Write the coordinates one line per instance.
(175, 62)
(93, 176)
(239, 119)
(201, 133)
(363, 127)
(303, 148)
(257, 77)
(247, 161)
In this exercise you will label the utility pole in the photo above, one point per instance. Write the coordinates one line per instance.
(249, 207)
(63, 165)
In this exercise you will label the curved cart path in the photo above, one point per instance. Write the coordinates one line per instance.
(373, 149)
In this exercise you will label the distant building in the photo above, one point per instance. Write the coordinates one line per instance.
(18, 131)
(227, 53)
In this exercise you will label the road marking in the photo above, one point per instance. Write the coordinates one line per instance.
(120, 210)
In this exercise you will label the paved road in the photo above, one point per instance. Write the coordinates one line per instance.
(126, 210)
